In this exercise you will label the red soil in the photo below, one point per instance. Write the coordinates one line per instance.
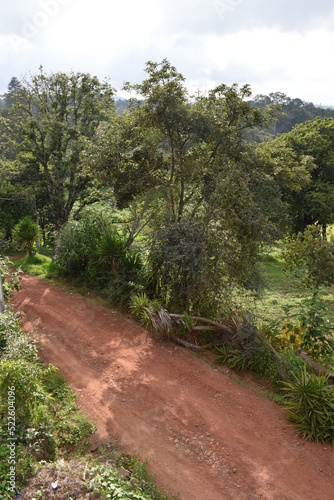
(205, 436)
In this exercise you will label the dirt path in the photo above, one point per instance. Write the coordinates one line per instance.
(205, 435)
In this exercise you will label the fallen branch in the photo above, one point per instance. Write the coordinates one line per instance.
(194, 347)
(199, 319)
(314, 366)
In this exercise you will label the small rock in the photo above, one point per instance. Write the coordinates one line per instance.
(235, 471)
(94, 448)
(125, 473)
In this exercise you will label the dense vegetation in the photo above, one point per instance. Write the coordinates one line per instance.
(169, 204)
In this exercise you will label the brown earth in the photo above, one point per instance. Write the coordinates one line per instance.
(205, 436)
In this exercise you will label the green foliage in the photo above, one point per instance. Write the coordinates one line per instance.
(51, 121)
(11, 279)
(110, 252)
(309, 258)
(25, 465)
(317, 327)
(312, 323)
(111, 484)
(26, 231)
(256, 359)
(93, 252)
(142, 307)
(71, 430)
(311, 406)
(47, 417)
(183, 266)
(38, 265)
(77, 242)
(14, 343)
(314, 203)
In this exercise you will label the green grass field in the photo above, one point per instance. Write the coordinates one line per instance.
(280, 291)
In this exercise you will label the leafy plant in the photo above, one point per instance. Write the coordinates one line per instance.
(141, 307)
(26, 231)
(11, 279)
(309, 258)
(256, 359)
(309, 327)
(311, 406)
(72, 429)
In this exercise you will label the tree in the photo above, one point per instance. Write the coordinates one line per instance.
(50, 123)
(310, 143)
(294, 111)
(192, 159)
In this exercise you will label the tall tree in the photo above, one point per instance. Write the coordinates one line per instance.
(50, 123)
(192, 155)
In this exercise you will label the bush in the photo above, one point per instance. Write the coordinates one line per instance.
(11, 280)
(184, 268)
(76, 243)
(309, 328)
(93, 253)
(311, 406)
(309, 258)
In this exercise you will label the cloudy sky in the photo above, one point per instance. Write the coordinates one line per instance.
(274, 45)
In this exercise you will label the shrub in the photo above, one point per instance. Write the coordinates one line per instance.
(92, 252)
(11, 280)
(311, 406)
(309, 328)
(309, 258)
(76, 243)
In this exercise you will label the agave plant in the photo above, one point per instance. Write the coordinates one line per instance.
(311, 406)
(111, 252)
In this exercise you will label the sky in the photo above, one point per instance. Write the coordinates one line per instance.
(273, 45)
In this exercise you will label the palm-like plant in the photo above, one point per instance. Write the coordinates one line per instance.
(26, 232)
(111, 252)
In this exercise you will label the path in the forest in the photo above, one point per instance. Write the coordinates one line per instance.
(205, 435)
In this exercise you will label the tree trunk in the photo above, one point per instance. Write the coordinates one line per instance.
(2, 297)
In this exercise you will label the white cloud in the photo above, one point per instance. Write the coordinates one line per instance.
(283, 45)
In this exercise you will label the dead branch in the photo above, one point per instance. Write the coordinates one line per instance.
(314, 366)
(217, 324)
(194, 347)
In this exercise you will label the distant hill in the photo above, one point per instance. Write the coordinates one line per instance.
(295, 111)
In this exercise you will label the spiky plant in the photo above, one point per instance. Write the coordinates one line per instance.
(26, 232)
(311, 406)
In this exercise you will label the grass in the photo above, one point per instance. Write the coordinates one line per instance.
(280, 291)
(37, 265)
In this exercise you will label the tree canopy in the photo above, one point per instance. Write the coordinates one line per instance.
(50, 119)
